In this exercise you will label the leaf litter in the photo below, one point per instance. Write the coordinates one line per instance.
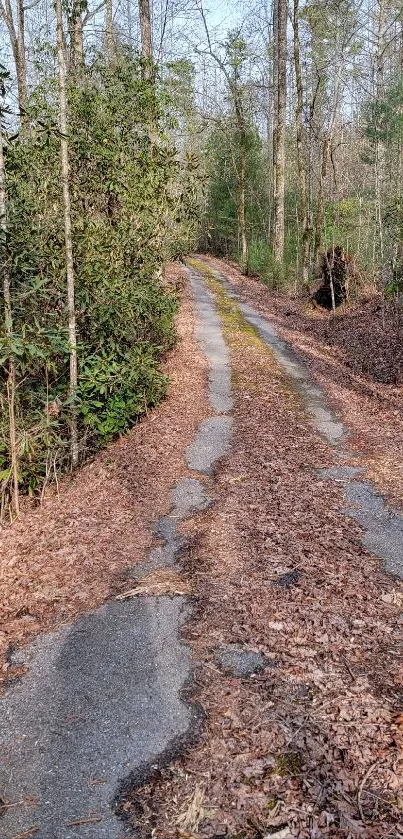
(312, 746)
(72, 553)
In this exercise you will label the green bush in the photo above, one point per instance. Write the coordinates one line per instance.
(132, 207)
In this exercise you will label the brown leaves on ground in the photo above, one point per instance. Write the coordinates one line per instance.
(357, 357)
(311, 747)
(69, 555)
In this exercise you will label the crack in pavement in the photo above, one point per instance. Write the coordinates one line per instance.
(103, 699)
(381, 523)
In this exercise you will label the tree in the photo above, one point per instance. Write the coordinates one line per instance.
(64, 157)
(146, 38)
(17, 39)
(304, 206)
(280, 100)
(8, 319)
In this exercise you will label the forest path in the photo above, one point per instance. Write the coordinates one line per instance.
(298, 636)
(104, 699)
(101, 700)
(382, 524)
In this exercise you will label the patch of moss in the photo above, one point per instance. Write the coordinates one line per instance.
(289, 763)
(233, 320)
(271, 803)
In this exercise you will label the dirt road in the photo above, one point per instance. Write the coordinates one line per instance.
(247, 681)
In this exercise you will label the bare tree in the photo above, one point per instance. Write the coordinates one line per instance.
(280, 101)
(16, 32)
(305, 215)
(8, 323)
(65, 172)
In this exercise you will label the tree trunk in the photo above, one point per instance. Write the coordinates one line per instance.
(8, 324)
(274, 116)
(301, 150)
(241, 178)
(109, 36)
(146, 39)
(327, 144)
(64, 155)
(320, 207)
(17, 40)
(241, 204)
(76, 35)
(280, 44)
(21, 63)
(145, 28)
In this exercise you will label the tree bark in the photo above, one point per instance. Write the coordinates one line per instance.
(65, 172)
(241, 192)
(76, 26)
(280, 44)
(8, 324)
(274, 116)
(145, 28)
(109, 36)
(326, 146)
(301, 151)
(17, 40)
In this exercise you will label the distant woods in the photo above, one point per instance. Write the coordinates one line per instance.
(320, 86)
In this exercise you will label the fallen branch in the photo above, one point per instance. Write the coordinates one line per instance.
(26, 833)
(88, 820)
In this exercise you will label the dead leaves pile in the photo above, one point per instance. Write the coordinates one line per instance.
(311, 747)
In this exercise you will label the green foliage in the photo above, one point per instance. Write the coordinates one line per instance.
(384, 117)
(132, 208)
(221, 221)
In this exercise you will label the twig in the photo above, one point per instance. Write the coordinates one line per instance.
(26, 833)
(6, 805)
(361, 788)
(88, 820)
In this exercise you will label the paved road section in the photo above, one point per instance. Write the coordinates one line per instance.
(101, 700)
(382, 524)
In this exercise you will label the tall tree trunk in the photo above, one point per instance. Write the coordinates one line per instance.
(109, 35)
(17, 40)
(241, 178)
(8, 324)
(146, 39)
(21, 63)
(145, 28)
(326, 146)
(301, 151)
(76, 34)
(379, 85)
(65, 172)
(241, 204)
(279, 165)
(274, 116)
(320, 205)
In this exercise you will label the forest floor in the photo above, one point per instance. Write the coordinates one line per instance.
(311, 744)
(71, 553)
(296, 632)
